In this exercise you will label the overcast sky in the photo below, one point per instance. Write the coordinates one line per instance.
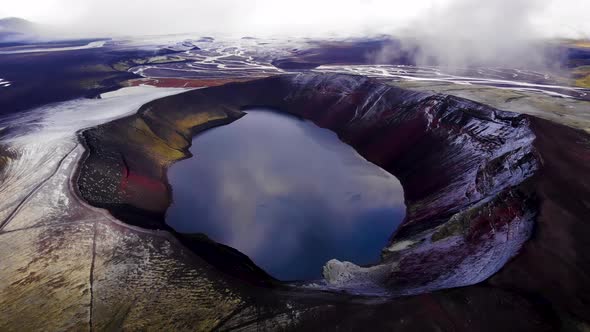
(547, 18)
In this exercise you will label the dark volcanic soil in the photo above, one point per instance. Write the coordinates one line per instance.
(46, 77)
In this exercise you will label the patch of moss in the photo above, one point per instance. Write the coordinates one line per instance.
(582, 76)
(457, 225)
(125, 65)
(121, 66)
(583, 82)
(583, 44)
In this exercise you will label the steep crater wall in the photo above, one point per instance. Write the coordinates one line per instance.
(473, 178)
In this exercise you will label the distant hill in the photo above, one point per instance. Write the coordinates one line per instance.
(16, 24)
(17, 30)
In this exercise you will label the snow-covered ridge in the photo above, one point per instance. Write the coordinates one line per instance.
(94, 44)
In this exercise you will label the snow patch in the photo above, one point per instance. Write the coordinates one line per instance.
(95, 44)
(42, 137)
(354, 279)
(399, 246)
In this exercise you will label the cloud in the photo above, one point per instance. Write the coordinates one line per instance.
(302, 17)
(466, 32)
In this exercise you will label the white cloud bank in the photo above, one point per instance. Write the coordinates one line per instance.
(546, 18)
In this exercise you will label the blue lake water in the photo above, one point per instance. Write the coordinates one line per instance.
(285, 192)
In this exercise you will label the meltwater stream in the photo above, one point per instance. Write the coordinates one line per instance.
(285, 192)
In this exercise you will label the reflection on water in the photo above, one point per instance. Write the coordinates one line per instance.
(286, 193)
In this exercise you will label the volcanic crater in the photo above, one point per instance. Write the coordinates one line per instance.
(484, 188)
